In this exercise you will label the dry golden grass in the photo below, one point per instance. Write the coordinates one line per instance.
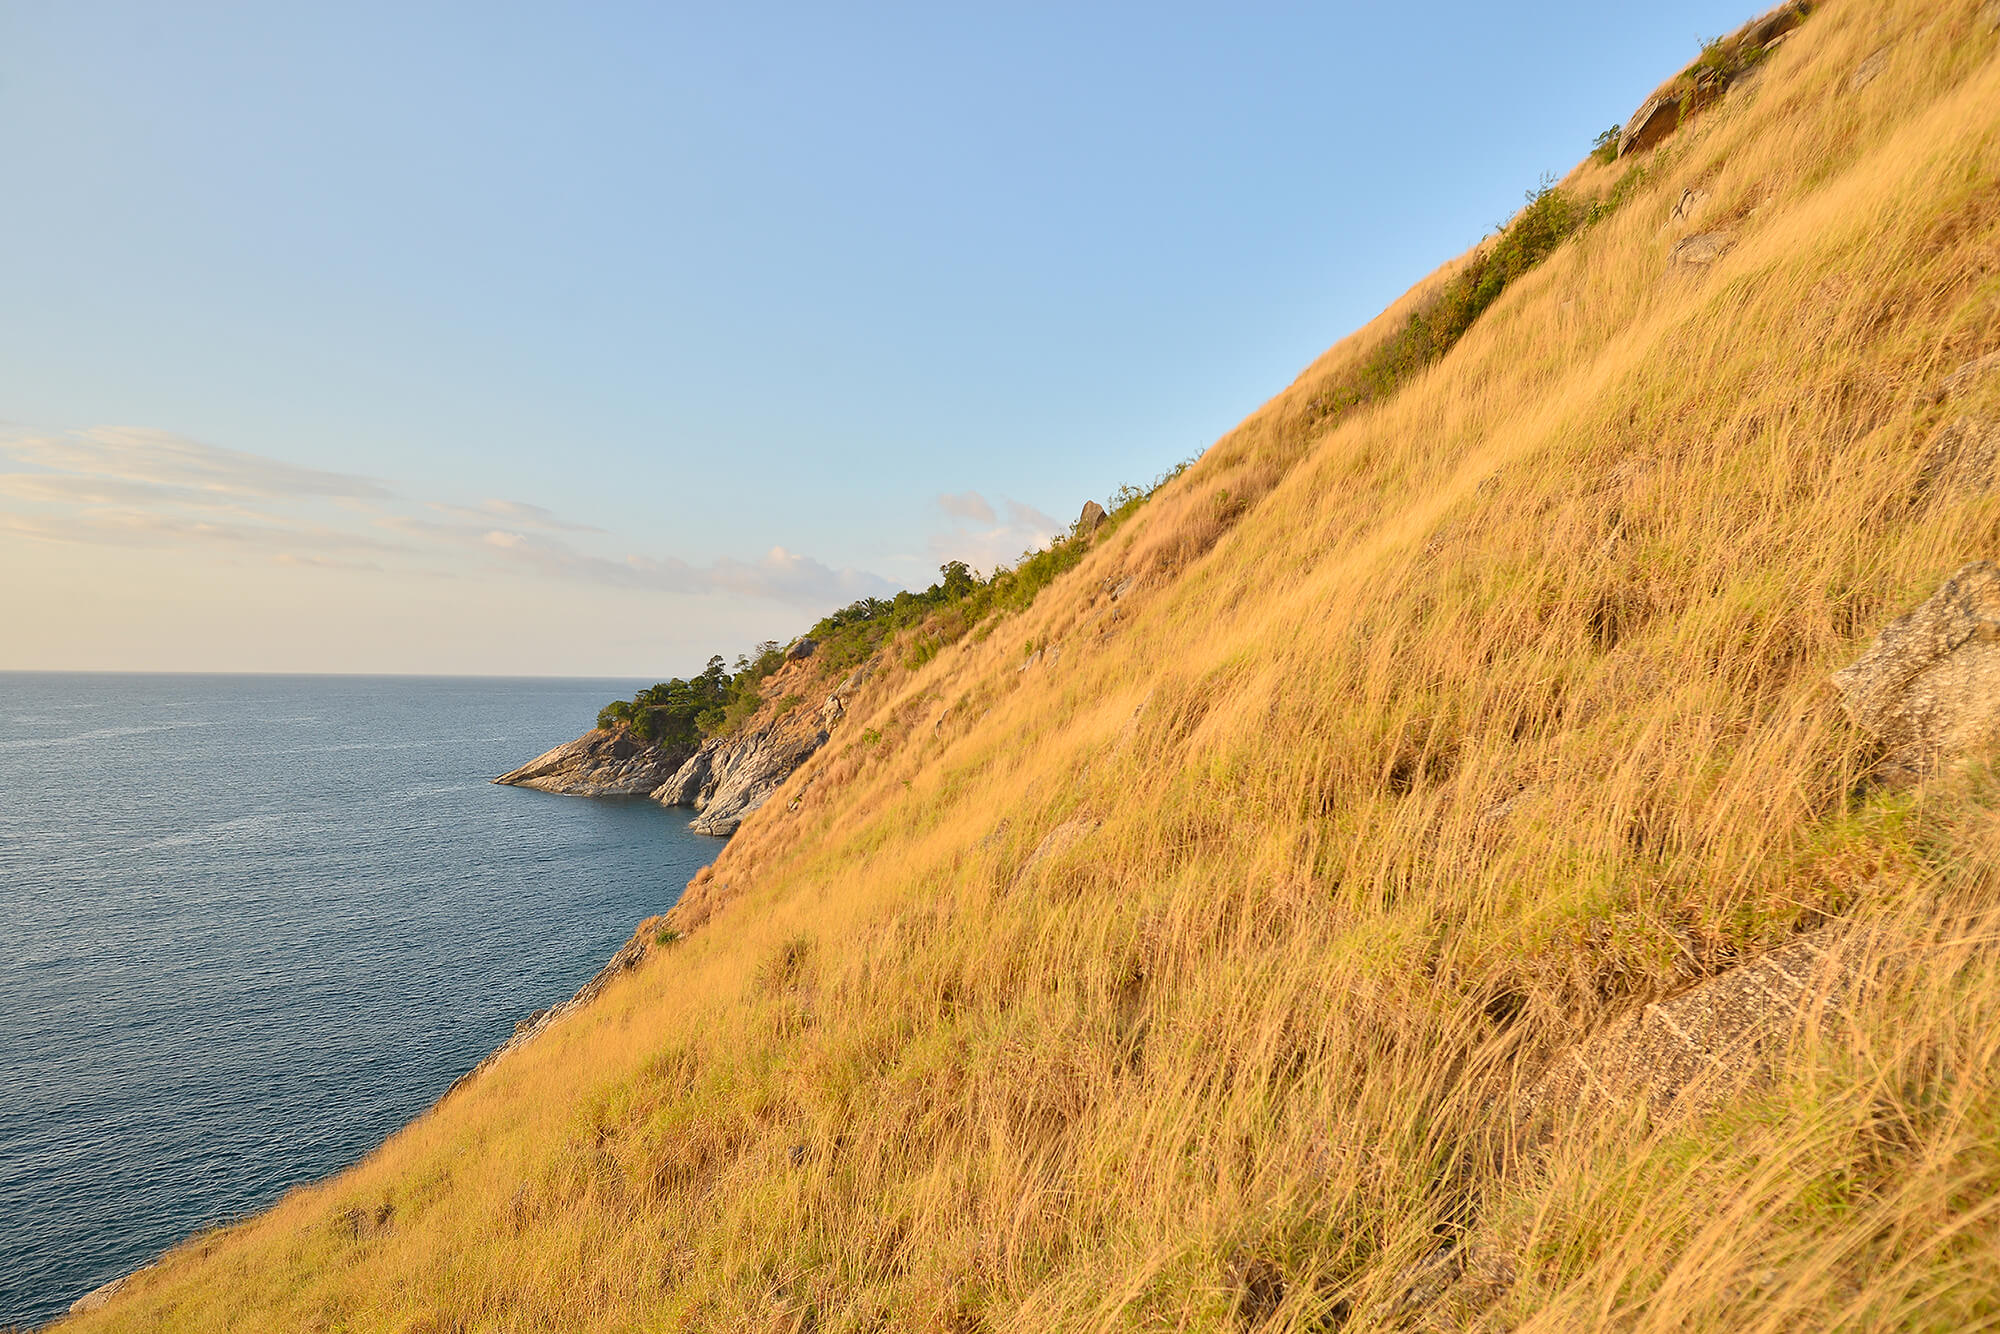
(1425, 742)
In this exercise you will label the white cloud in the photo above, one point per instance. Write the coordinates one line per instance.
(979, 537)
(517, 512)
(967, 505)
(141, 456)
(780, 576)
(1028, 518)
(137, 488)
(786, 576)
(139, 528)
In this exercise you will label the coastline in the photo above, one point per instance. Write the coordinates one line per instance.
(628, 956)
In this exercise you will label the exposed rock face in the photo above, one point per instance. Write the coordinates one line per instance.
(599, 763)
(727, 777)
(685, 785)
(1092, 518)
(835, 707)
(1777, 23)
(1972, 374)
(1930, 684)
(1657, 117)
(1700, 251)
(1687, 206)
(1961, 459)
(1660, 115)
(1866, 72)
(1685, 1052)
(731, 776)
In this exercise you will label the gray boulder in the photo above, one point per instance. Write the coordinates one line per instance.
(1700, 250)
(1092, 518)
(1929, 687)
(100, 1297)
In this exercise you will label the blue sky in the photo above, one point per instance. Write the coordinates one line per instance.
(597, 338)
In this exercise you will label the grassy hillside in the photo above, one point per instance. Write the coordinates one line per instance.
(1195, 959)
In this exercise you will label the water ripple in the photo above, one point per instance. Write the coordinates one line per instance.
(250, 939)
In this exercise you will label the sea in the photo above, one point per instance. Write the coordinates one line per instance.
(251, 925)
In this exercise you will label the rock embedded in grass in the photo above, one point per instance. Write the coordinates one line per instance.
(1687, 206)
(98, 1298)
(1969, 376)
(1929, 686)
(1700, 250)
(1685, 1053)
(1960, 459)
(1058, 841)
(1866, 72)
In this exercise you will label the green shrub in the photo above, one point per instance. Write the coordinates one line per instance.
(681, 714)
(1604, 148)
(1550, 217)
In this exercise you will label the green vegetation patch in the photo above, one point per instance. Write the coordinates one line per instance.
(681, 714)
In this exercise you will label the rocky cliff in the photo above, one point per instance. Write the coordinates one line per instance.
(731, 776)
(599, 763)
(728, 776)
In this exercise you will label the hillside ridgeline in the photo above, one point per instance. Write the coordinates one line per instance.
(714, 744)
(1508, 839)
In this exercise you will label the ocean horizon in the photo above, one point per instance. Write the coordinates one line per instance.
(260, 921)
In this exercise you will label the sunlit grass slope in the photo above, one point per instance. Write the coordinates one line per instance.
(1194, 973)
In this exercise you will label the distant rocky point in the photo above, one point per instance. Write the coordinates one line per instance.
(600, 763)
(726, 777)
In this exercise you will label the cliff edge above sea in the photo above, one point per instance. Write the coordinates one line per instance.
(722, 743)
(724, 777)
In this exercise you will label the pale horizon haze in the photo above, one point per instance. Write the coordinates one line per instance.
(592, 340)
